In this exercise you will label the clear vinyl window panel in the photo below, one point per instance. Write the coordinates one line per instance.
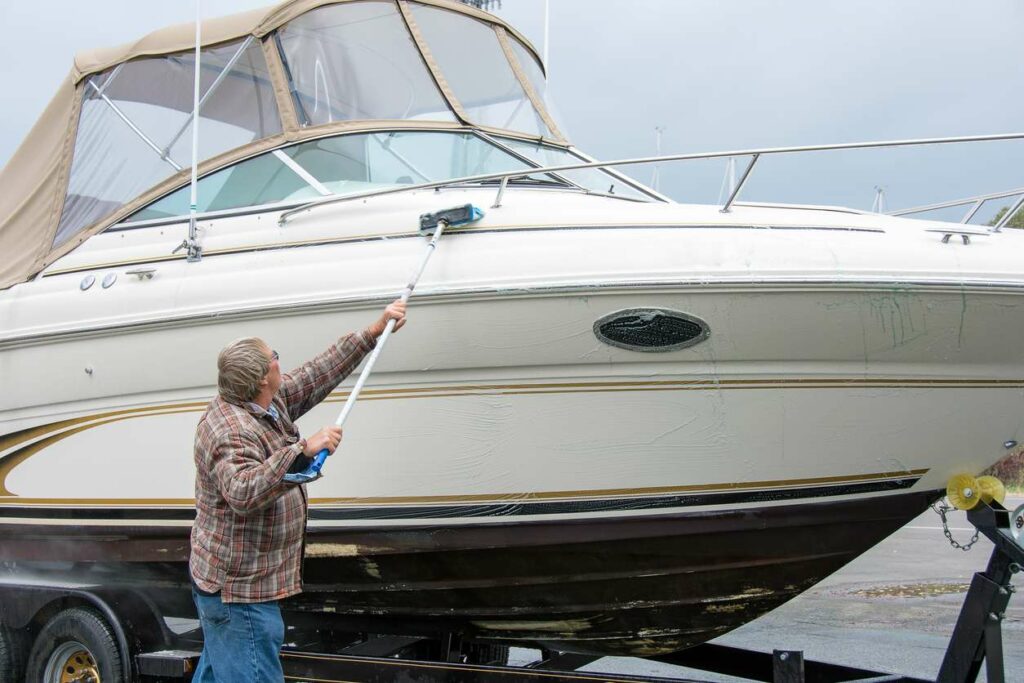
(357, 61)
(535, 75)
(339, 165)
(135, 126)
(475, 67)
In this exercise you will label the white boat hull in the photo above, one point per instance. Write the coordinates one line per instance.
(827, 395)
(520, 402)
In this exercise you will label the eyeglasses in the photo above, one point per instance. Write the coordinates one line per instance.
(274, 356)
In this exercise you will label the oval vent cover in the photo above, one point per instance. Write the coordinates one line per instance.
(651, 329)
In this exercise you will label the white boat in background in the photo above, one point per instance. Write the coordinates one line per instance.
(614, 423)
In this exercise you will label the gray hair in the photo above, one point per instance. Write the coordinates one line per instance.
(241, 366)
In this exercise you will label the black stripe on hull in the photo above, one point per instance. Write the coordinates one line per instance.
(635, 584)
(97, 513)
(612, 504)
(409, 512)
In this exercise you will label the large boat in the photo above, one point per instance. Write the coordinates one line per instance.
(613, 424)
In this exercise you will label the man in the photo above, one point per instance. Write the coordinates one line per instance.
(247, 539)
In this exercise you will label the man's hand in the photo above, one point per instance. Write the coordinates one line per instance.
(394, 311)
(328, 437)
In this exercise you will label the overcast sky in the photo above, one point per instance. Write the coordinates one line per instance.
(716, 74)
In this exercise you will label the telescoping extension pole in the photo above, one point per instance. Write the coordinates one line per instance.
(436, 222)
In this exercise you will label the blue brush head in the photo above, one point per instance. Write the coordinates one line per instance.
(459, 215)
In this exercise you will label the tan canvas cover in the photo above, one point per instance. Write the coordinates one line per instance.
(34, 183)
(32, 188)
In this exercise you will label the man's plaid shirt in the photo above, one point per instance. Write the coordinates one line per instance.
(247, 540)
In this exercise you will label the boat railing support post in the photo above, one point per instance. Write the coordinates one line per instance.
(740, 184)
(1009, 214)
(501, 193)
(973, 210)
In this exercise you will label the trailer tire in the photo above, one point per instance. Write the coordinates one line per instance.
(13, 651)
(76, 640)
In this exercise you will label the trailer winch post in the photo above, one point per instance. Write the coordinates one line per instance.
(978, 632)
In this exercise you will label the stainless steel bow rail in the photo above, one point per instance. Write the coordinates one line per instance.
(755, 154)
(973, 205)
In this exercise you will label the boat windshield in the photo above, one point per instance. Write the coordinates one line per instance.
(349, 164)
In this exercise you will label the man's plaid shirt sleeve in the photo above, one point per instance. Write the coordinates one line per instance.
(304, 387)
(246, 481)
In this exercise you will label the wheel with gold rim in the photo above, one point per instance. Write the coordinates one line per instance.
(76, 646)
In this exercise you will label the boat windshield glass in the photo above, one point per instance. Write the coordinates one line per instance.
(591, 179)
(476, 69)
(338, 166)
(135, 126)
(358, 61)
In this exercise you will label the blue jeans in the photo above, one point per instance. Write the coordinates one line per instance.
(241, 641)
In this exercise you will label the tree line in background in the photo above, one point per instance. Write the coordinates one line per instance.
(1016, 222)
(1009, 470)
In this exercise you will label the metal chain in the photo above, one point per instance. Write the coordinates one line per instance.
(942, 509)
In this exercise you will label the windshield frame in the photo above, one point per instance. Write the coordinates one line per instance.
(558, 182)
(612, 174)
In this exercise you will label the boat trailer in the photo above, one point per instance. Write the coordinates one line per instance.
(976, 638)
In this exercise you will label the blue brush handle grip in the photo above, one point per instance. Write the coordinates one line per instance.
(318, 462)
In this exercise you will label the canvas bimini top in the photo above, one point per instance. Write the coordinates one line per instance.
(117, 134)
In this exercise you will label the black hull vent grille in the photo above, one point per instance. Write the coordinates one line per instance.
(650, 329)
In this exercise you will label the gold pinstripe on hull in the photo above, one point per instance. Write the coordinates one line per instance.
(40, 437)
